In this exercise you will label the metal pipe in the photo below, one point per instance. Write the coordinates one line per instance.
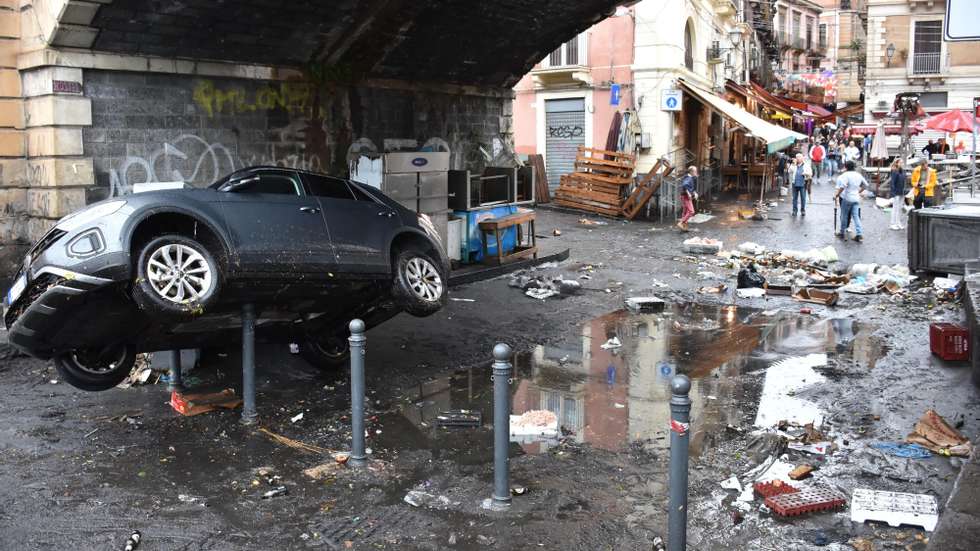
(249, 414)
(680, 421)
(502, 371)
(176, 374)
(357, 340)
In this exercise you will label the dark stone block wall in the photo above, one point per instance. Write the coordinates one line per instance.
(159, 127)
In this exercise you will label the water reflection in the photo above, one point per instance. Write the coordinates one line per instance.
(609, 397)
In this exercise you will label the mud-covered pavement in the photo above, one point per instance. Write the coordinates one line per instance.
(82, 470)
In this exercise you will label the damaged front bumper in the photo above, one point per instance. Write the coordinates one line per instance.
(37, 312)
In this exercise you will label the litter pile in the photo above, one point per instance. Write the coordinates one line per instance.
(540, 286)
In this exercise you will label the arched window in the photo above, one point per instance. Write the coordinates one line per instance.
(689, 46)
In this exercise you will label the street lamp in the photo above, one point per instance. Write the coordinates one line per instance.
(890, 53)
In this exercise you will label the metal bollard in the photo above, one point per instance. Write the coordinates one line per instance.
(502, 370)
(176, 374)
(680, 419)
(249, 414)
(357, 340)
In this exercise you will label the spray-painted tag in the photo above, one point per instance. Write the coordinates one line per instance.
(678, 427)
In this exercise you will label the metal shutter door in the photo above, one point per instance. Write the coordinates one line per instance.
(565, 132)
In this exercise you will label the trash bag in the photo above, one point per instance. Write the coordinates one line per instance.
(748, 278)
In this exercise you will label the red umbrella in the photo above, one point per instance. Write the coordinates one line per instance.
(951, 121)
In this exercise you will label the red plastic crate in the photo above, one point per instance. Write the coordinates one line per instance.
(950, 341)
(769, 489)
(807, 500)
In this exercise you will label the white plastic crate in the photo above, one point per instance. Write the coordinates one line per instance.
(894, 508)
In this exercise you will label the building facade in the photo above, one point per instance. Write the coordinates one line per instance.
(569, 99)
(906, 53)
(841, 35)
(797, 34)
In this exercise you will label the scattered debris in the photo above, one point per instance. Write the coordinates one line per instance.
(459, 418)
(816, 448)
(801, 472)
(518, 490)
(418, 498)
(732, 483)
(645, 304)
(861, 544)
(934, 433)
(700, 218)
(556, 232)
(454, 299)
(276, 492)
(323, 470)
(587, 222)
(749, 278)
(894, 508)
(817, 296)
(541, 294)
(949, 341)
(297, 417)
(752, 292)
(717, 289)
(134, 540)
(295, 444)
(184, 498)
(909, 451)
(752, 248)
(196, 404)
(702, 245)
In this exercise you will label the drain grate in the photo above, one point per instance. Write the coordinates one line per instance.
(385, 524)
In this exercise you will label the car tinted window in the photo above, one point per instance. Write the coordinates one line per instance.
(327, 187)
(278, 184)
(361, 195)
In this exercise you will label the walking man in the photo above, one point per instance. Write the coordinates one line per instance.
(924, 180)
(799, 175)
(896, 184)
(849, 185)
(689, 186)
(817, 154)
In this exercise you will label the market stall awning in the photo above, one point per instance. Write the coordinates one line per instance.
(775, 137)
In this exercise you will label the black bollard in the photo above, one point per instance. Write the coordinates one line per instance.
(680, 434)
(358, 456)
(249, 414)
(502, 370)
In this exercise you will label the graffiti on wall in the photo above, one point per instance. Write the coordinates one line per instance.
(565, 131)
(192, 159)
(295, 97)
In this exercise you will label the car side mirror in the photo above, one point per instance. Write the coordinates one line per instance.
(241, 185)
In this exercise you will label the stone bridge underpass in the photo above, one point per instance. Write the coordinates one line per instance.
(98, 95)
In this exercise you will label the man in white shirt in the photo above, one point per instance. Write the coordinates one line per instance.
(849, 186)
(852, 153)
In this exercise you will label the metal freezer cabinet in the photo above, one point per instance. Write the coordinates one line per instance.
(943, 239)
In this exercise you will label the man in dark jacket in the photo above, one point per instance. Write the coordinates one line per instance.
(689, 186)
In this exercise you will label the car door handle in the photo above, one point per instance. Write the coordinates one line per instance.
(387, 213)
(309, 210)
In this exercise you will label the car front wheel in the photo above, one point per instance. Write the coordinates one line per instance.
(419, 286)
(327, 354)
(96, 370)
(176, 275)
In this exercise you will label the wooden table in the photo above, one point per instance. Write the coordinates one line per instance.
(496, 225)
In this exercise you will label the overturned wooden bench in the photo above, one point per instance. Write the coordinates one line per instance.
(497, 225)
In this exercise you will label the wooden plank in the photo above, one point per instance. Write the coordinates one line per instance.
(646, 189)
(614, 180)
(606, 152)
(541, 192)
(614, 201)
(589, 201)
(507, 221)
(587, 207)
(603, 162)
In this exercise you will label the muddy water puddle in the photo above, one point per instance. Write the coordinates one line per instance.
(610, 396)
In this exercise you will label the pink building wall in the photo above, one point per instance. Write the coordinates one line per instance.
(610, 57)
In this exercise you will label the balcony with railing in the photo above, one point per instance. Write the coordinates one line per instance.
(927, 63)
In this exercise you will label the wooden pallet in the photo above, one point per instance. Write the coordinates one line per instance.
(599, 183)
(646, 189)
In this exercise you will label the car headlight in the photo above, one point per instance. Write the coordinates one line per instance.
(85, 216)
(88, 243)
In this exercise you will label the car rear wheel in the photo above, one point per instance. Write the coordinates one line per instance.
(328, 354)
(419, 286)
(96, 370)
(176, 275)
